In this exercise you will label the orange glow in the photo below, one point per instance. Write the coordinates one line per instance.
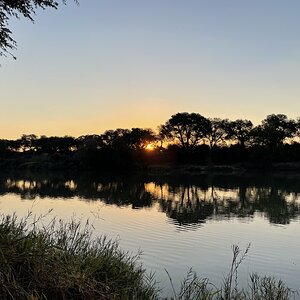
(149, 147)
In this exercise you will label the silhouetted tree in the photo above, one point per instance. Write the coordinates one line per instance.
(92, 141)
(163, 135)
(3, 147)
(187, 128)
(240, 131)
(17, 8)
(274, 130)
(13, 145)
(192, 139)
(28, 142)
(114, 139)
(298, 127)
(217, 132)
(138, 138)
(50, 145)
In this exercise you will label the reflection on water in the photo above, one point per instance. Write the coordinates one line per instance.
(188, 202)
(178, 222)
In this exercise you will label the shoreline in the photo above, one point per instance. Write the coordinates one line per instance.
(279, 168)
(40, 165)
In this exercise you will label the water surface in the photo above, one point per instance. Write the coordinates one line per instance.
(177, 222)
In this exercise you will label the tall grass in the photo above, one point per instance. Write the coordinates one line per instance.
(63, 261)
(259, 288)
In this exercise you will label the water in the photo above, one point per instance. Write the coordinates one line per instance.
(177, 222)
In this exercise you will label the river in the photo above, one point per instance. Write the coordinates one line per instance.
(177, 222)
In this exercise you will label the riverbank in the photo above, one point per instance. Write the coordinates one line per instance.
(280, 168)
(64, 261)
(73, 164)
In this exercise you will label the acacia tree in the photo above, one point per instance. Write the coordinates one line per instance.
(18, 8)
(139, 138)
(274, 130)
(114, 139)
(240, 131)
(187, 128)
(217, 132)
(163, 135)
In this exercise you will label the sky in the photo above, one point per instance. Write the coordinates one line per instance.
(131, 63)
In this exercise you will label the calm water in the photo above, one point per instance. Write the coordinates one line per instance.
(177, 222)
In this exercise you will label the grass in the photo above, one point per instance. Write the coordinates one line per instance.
(63, 261)
(259, 288)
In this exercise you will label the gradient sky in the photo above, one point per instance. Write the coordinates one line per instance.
(132, 63)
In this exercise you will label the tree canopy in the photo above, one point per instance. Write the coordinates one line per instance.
(189, 138)
(187, 128)
(274, 130)
(17, 9)
(240, 130)
(217, 132)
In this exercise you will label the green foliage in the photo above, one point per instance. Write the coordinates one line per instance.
(63, 261)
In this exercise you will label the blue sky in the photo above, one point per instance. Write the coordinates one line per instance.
(108, 64)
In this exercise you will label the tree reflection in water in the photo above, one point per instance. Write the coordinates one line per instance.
(188, 202)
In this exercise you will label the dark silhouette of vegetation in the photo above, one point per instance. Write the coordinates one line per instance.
(187, 128)
(18, 8)
(274, 130)
(186, 138)
(240, 131)
(217, 132)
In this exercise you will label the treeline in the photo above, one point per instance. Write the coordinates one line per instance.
(186, 138)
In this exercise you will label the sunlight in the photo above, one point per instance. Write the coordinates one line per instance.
(149, 147)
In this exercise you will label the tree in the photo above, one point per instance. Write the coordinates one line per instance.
(187, 128)
(114, 139)
(240, 130)
(298, 127)
(28, 142)
(3, 147)
(217, 132)
(274, 130)
(92, 141)
(17, 8)
(163, 135)
(138, 138)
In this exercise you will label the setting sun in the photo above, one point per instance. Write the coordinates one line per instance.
(149, 147)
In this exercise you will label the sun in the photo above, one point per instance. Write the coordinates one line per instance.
(149, 147)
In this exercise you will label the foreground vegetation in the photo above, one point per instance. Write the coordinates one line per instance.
(64, 261)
